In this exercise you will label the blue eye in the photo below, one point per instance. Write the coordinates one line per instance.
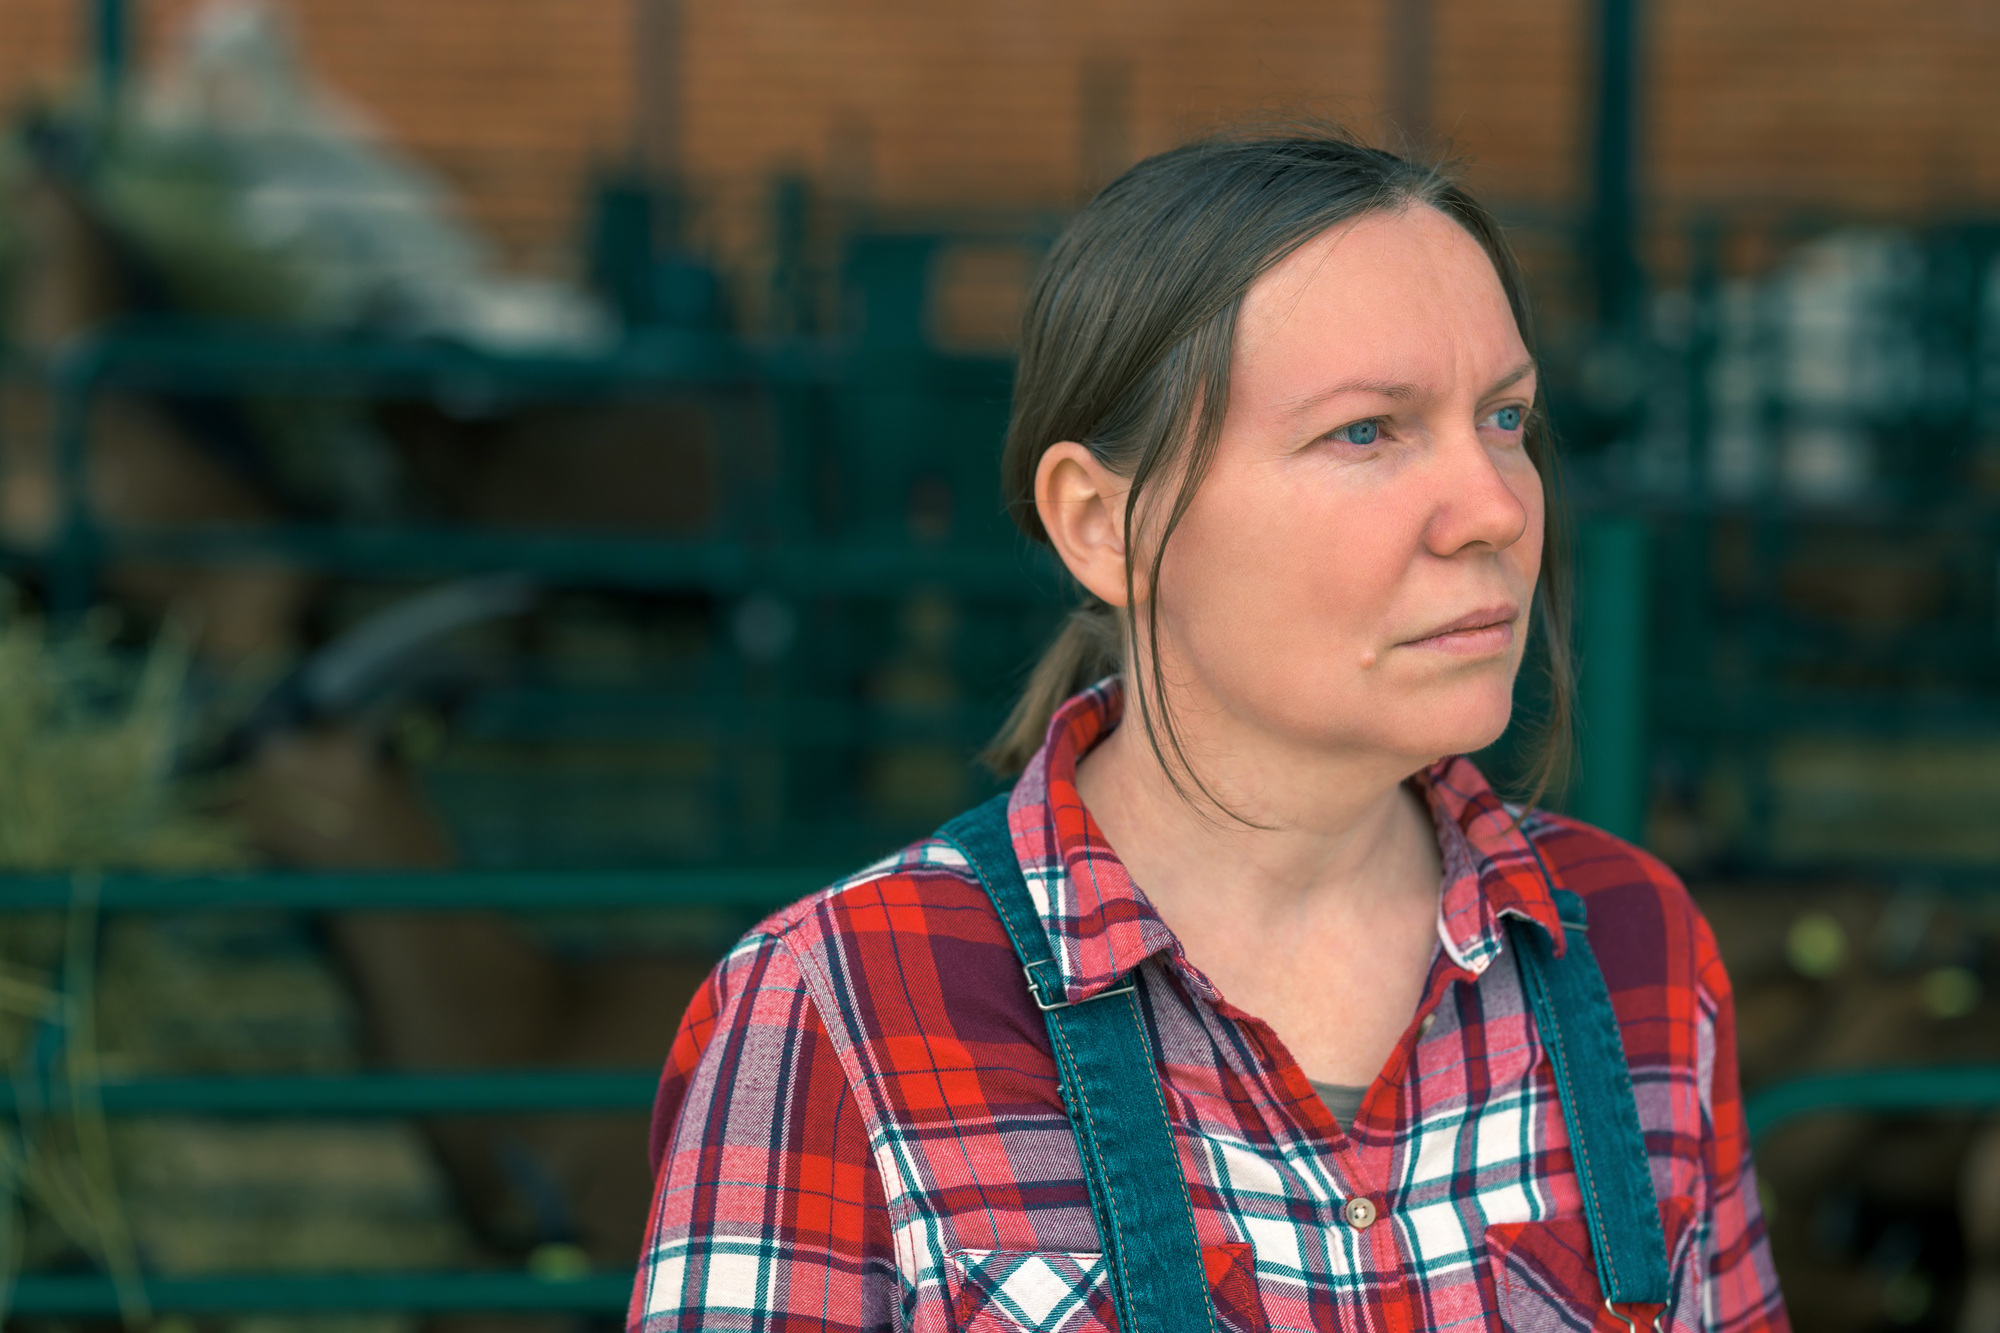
(1508, 418)
(1361, 432)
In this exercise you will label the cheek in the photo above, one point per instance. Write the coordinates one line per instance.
(1277, 571)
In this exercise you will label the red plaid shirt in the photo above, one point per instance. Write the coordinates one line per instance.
(859, 1126)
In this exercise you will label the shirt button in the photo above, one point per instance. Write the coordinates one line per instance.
(1424, 1028)
(1359, 1212)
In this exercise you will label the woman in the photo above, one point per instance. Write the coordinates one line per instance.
(1293, 1048)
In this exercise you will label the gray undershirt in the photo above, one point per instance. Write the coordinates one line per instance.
(1340, 1099)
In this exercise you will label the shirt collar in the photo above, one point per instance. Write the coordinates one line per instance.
(1491, 869)
(1101, 926)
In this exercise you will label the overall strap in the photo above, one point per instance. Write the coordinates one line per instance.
(1112, 1091)
(1579, 1029)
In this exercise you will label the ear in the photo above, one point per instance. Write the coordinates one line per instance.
(1082, 507)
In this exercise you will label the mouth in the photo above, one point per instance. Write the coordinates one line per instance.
(1480, 633)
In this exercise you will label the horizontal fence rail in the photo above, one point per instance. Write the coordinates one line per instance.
(1961, 1088)
(362, 1094)
(45, 1295)
(638, 563)
(494, 1092)
(497, 890)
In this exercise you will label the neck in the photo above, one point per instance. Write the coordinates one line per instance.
(1317, 829)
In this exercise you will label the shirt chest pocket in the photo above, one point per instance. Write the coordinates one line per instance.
(1545, 1276)
(1054, 1291)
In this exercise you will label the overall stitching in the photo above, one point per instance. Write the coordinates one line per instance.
(1114, 1251)
(1066, 1063)
(1180, 1176)
(1578, 1150)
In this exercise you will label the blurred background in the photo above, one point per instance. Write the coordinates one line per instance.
(497, 494)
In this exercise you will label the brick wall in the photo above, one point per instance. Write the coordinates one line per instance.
(1865, 105)
(514, 102)
(38, 42)
(1843, 105)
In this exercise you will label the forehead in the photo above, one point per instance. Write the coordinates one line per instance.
(1405, 296)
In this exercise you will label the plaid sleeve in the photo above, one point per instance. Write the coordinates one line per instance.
(768, 1212)
(1742, 1282)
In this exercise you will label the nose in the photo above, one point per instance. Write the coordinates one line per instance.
(1481, 497)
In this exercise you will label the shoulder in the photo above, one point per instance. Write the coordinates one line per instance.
(901, 974)
(924, 890)
(1645, 929)
(773, 966)
(809, 948)
(910, 945)
(817, 980)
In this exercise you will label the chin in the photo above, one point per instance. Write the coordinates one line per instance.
(1435, 728)
(1422, 719)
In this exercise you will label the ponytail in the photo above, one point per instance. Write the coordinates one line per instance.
(1089, 647)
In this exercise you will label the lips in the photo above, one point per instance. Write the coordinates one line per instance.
(1487, 627)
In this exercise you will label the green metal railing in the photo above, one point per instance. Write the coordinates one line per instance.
(427, 891)
(412, 1293)
(368, 1094)
(197, 358)
(778, 551)
(1891, 1090)
(1627, 691)
(884, 399)
(566, 1091)
(361, 1094)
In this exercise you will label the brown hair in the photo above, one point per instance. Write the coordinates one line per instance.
(1125, 349)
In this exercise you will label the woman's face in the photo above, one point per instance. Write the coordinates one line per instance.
(1357, 566)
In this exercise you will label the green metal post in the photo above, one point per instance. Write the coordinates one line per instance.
(1614, 176)
(1612, 631)
(109, 46)
(72, 575)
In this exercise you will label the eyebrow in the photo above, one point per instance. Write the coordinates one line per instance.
(1400, 390)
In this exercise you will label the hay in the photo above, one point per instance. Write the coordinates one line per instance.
(88, 740)
(87, 750)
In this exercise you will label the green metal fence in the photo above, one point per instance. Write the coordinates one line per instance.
(44, 1088)
(566, 1091)
(764, 541)
(1675, 658)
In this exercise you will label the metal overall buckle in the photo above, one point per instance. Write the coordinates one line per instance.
(1038, 990)
(1631, 1323)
